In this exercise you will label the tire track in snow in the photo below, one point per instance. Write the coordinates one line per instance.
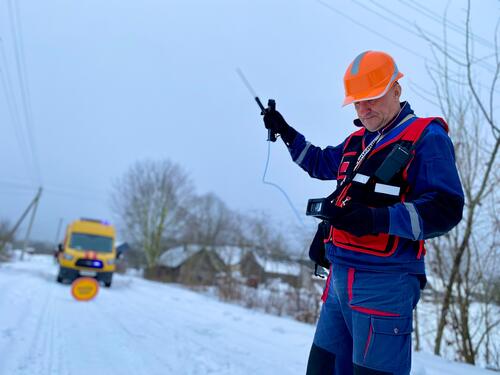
(38, 359)
(137, 339)
(140, 328)
(27, 294)
(36, 324)
(207, 357)
(165, 337)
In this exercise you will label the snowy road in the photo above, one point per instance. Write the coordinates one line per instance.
(140, 327)
(136, 327)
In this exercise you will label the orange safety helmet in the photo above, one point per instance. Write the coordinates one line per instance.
(369, 76)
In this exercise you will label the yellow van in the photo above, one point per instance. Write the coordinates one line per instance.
(88, 250)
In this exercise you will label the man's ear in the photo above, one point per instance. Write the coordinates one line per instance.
(397, 90)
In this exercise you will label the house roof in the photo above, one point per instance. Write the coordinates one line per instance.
(175, 257)
(230, 255)
(278, 267)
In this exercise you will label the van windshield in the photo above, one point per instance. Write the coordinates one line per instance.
(91, 242)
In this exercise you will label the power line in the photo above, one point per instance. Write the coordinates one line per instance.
(16, 192)
(420, 8)
(79, 194)
(16, 184)
(420, 95)
(16, 29)
(76, 195)
(13, 108)
(57, 190)
(373, 31)
(393, 21)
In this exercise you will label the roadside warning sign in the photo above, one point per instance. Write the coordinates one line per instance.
(84, 288)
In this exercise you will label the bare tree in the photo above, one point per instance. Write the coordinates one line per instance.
(151, 201)
(5, 233)
(211, 222)
(265, 236)
(462, 259)
(5, 229)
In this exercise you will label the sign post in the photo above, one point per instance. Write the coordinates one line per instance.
(84, 288)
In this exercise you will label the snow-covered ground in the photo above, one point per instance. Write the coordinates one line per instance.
(142, 327)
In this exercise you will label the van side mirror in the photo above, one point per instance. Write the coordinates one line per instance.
(60, 247)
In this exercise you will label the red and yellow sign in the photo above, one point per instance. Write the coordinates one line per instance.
(84, 288)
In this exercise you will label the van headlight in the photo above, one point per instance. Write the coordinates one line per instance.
(110, 262)
(68, 256)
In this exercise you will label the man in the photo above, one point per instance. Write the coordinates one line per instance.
(397, 185)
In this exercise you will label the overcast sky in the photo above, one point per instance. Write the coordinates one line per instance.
(112, 82)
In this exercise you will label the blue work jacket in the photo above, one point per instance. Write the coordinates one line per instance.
(433, 205)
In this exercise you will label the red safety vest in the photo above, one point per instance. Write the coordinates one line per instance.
(366, 189)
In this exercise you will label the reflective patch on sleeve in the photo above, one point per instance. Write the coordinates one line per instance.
(361, 178)
(414, 220)
(387, 189)
(302, 155)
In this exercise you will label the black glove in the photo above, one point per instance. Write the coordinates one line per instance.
(361, 220)
(317, 252)
(274, 120)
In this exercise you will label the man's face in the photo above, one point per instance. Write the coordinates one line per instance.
(376, 113)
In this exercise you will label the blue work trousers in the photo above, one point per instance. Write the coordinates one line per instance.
(366, 320)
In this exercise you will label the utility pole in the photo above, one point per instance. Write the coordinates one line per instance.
(10, 235)
(33, 213)
(56, 241)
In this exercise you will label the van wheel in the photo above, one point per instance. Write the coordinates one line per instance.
(107, 284)
(59, 279)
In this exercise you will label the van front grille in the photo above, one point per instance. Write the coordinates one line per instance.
(89, 263)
